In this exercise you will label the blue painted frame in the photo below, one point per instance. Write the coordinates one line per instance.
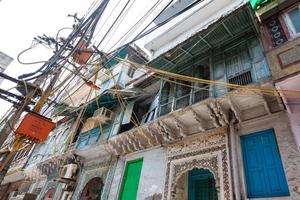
(264, 173)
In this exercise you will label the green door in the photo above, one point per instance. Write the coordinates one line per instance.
(202, 185)
(131, 180)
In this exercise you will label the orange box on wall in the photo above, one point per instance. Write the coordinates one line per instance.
(82, 54)
(36, 127)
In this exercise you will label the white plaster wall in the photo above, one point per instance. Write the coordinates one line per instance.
(152, 178)
(288, 150)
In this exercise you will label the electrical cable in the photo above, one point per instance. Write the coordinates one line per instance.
(210, 82)
(118, 23)
(28, 63)
(53, 60)
(137, 24)
(123, 9)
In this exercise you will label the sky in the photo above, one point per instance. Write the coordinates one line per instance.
(21, 21)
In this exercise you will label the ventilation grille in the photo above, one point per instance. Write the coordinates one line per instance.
(242, 79)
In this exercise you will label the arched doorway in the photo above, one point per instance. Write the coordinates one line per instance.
(50, 194)
(92, 190)
(201, 185)
(196, 184)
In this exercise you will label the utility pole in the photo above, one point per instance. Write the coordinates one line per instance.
(7, 129)
(53, 65)
(15, 115)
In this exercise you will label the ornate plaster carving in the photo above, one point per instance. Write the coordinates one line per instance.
(209, 151)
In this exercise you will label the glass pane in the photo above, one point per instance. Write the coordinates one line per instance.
(295, 18)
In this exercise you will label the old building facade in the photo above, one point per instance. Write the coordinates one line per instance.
(213, 114)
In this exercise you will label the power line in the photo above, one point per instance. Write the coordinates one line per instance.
(123, 9)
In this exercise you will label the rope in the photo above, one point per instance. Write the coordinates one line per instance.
(209, 82)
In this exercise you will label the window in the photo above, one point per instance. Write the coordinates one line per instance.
(293, 20)
(131, 180)
(130, 72)
(263, 168)
(241, 79)
(276, 32)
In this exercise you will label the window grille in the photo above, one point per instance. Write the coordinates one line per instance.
(242, 79)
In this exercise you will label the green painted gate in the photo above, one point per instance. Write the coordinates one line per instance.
(131, 180)
(201, 185)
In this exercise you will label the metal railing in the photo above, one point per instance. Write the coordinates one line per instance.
(183, 101)
(87, 138)
(149, 116)
(166, 108)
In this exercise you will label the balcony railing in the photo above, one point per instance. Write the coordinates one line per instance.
(149, 116)
(87, 138)
(183, 101)
(96, 135)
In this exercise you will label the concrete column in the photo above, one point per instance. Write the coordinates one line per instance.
(234, 159)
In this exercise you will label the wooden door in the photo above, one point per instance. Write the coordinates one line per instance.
(263, 168)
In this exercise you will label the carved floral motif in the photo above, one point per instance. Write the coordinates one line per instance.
(208, 151)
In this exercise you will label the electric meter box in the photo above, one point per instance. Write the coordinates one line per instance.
(35, 127)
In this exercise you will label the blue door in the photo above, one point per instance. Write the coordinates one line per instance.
(264, 172)
(202, 185)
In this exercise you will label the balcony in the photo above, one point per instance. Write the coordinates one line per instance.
(91, 137)
(183, 101)
(90, 144)
(87, 138)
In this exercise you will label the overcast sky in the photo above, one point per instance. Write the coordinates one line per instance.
(21, 21)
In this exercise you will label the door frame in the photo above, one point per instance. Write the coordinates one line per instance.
(244, 131)
(122, 182)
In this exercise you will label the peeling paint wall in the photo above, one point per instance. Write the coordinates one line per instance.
(152, 177)
(288, 150)
(96, 168)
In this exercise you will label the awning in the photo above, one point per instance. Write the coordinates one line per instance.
(229, 28)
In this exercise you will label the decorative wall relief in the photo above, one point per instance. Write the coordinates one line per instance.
(205, 151)
(90, 170)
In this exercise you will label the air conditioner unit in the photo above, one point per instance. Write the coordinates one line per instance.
(102, 115)
(69, 171)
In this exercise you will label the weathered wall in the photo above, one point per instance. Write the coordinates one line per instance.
(285, 60)
(288, 150)
(48, 186)
(92, 169)
(203, 151)
(152, 178)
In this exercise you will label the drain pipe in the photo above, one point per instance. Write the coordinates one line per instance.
(234, 159)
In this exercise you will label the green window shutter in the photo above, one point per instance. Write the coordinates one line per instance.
(131, 180)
